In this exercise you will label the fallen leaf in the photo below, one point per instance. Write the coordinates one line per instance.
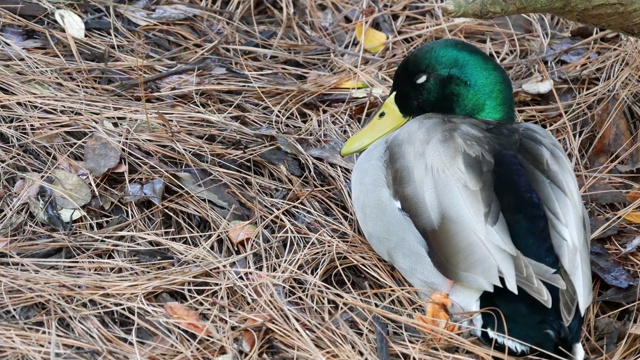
(372, 39)
(283, 161)
(69, 190)
(365, 93)
(633, 195)
(351, 84)
(330, 154)
(174, 12)
(614, 136)
(188, 183)
(135, 15)
(223, 197)
(42, 202)
(631, 246)
(71, 23)
(187, 318)
(633, 216)
(11, 223)
(600, 222)
(26, 188)
(566, 51)
(68, 215)
(75, 167)
(120, 168)
(100, 155)
(152, 190)
(538, 86)
(601, 192)
(164, 120)
(252, 336)
(240, 231)
(618, 295)
(19, 38)
(612, 272)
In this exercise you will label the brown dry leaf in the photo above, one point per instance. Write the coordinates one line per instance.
(240, 231)
(120, 168)
(330, 154)
(188, 318)
(613, 130)
(620, 296)
(372, 39)
(70, 191)
(100, 155)
(203, 185)
(633, 216)
(255, 333)
(73, 166)
(164, 120)
(633, 195)
(189, 183)
(26, 188)
(285, 162)
(601, 192)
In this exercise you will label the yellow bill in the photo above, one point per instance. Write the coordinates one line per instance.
(384, 121)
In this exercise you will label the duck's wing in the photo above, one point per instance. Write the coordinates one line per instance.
(552, 176)
(441, 170)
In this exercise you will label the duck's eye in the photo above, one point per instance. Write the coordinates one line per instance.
(421, 78)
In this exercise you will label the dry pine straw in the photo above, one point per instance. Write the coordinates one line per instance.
(306, 284)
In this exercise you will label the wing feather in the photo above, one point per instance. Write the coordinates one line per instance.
(443, 180)
(552, 177)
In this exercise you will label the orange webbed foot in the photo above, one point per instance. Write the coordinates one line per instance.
(437, 315)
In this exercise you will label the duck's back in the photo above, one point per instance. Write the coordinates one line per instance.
(491, 206)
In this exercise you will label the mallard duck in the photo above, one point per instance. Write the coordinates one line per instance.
(471, 206)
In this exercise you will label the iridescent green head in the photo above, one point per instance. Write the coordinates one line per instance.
(453, 77)
(446, 77)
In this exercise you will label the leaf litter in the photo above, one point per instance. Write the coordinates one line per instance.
(168, 122)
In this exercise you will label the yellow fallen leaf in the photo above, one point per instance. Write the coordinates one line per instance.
(372, 39)
(633, 216)
(351, 84)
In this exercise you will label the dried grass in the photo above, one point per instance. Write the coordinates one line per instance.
(308, 281)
